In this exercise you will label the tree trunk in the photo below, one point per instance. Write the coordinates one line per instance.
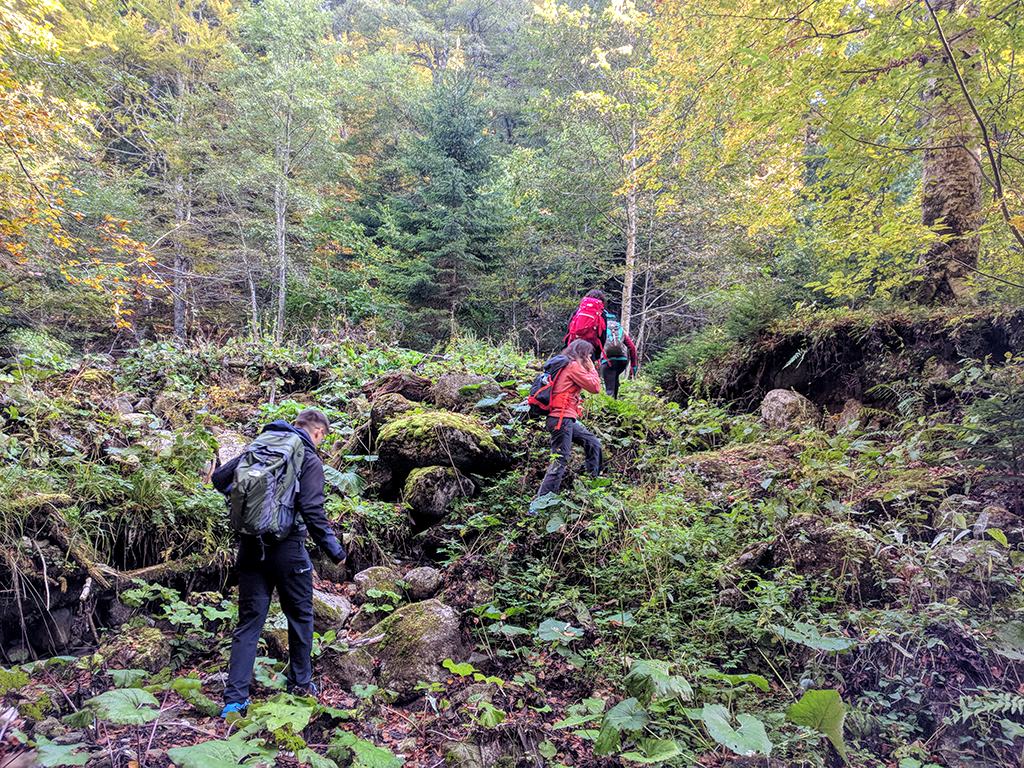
(631, 227)
(952, 179)
(181, 263)
(280, 205)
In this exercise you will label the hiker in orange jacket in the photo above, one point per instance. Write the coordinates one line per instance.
(562, 422)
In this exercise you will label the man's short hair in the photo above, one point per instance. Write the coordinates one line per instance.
(311, 417)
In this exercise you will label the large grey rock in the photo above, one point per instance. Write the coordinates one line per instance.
(429, 490)
(457, 391)
(230, 444)
(330, 612)
(123, 405)
(785, 409)
(378, 578)
(417, 639)
(423, 582)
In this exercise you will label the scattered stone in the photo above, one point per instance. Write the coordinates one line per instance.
(417, 639)
(785, 409)
(423, 582)
(230, 445)
(439, 438)
(51, 728)
(145, 405)
(74, 737)
(167, 402)
(851, 413)
(123, 405)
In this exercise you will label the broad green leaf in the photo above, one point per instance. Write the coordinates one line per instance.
(998, 535)
(558, 631)
(367, 754)
(491, 716)
(125, 706)
(53, 755)
(220, 753)
(649, 679)
(345, 483)
(626, 716)
(487, 402)
(823, 711)
(748, 739)
(808, 635)
(734, 680)
(652, 751)
(462, 670)
(282, 710)
(314, 760)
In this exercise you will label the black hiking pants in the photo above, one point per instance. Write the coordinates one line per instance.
(562, 438)
(611, 370)
(262, 567)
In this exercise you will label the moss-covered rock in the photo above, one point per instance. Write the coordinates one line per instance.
(417, 639)
(348, 668)
(137, 648)
(457, 391)
(785, 409)
(379, 578)
(330, 612)
(387, 407)
(429, 490)
(438, 438)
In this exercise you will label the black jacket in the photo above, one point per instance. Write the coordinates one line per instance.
(309, 501)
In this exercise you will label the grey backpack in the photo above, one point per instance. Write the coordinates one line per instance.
(265, 483)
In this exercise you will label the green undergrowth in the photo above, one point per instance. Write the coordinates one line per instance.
(811, 595)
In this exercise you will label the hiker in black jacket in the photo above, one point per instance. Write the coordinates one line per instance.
(265, 563)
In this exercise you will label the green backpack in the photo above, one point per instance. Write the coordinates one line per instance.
(265, 483)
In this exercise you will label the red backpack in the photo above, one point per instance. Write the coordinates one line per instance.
(588, 322)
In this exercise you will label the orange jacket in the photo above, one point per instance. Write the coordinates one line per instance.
(565, 394)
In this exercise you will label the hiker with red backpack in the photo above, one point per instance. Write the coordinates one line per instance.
(588, 322)
(568, 380)
(619, 352)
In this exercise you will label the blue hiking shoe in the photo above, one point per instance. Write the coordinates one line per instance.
(235, 708)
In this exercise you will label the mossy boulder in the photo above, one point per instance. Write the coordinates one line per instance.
(378, 578)
(417, 639)
(459, 391)
(330, 612)
(387, 407)
(144, 648)
(423, 582)
(408, 385)
(429, 490)
(438, 438)
(348, 668)
(812, 546)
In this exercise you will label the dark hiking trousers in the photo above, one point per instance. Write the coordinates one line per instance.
(611, 370)
(561, 443)
(261, 568)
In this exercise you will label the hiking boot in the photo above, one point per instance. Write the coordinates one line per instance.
(307, 690)
(238, 709)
